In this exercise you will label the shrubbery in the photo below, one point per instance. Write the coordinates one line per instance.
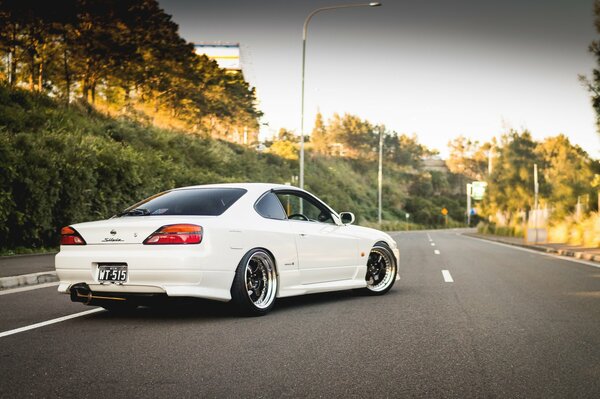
(61, 165)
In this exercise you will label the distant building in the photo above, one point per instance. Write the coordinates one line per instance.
(435, 163)
(227, 56)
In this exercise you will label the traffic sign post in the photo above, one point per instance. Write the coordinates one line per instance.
(445, 213)
(478, 190)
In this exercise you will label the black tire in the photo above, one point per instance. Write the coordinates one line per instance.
(255, 283)
(381, 270)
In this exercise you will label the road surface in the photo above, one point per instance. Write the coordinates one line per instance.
(469, 318)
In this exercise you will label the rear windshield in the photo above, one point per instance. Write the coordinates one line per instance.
(192, 201)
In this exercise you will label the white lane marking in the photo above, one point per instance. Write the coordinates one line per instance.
(433, 244)
(436, 251)
(46, 323)
(533, 251)
(429, 237)
(447, 276)
(397, 277)
(27, 288)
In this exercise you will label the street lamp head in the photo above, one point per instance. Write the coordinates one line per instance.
(375, 4)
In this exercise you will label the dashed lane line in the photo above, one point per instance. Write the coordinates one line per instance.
(436, 251)
(447, 276)
(48, 322)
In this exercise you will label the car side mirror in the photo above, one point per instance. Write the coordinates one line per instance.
(347, 217)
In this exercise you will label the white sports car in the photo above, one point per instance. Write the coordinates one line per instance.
(247, 243)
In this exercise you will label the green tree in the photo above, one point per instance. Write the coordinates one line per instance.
(319, 136)
(593, 84)
(405, 150)
(568, 173)
(510, 187)
(468, 157)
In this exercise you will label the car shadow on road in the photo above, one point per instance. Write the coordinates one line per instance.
(192, 308)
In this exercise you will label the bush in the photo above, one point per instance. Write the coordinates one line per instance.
(60, 166)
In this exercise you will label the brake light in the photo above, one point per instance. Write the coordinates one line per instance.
(176, 234)
(70, 236)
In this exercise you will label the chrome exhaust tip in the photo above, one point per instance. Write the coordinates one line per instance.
(81, 292)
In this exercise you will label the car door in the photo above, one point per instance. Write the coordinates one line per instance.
(326, 252)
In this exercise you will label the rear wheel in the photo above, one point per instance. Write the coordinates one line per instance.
(255, 283)
(381, 270)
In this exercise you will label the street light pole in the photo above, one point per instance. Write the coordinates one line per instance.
(535, 201)
(374, 4)
(380, 174)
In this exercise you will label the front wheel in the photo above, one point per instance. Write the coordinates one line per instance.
(255, 283)
(381, 270)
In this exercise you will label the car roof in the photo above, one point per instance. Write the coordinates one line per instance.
(254, 187)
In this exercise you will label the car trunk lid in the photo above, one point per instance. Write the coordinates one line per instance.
(124, 230)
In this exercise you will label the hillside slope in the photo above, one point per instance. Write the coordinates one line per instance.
(63, 165)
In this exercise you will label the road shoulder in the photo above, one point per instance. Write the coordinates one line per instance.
(589, 254)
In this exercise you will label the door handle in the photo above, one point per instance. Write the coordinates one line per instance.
(303, 234)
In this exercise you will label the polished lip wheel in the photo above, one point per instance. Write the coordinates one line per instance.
(261, 280)
(380, 269)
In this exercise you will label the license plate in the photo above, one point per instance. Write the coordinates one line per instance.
(112, 273)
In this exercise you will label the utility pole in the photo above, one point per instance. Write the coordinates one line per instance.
(380, 174)
(535, 201)
(490, 161)
(469, 204)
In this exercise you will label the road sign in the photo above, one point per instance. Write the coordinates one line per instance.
(478, 190)
(444, 211)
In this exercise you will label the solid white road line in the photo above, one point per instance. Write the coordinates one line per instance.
(533, 251)
(436, 251)
(46, 323)
(27, 288)
(447, 276)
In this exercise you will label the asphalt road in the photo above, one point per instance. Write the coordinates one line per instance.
(512, 323)
(15, 265)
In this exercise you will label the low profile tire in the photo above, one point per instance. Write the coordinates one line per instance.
(255, 283)
(381, 270)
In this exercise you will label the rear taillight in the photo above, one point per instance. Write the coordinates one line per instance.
(176, 234)
(70, 236)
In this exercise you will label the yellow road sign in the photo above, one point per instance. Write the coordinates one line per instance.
(444, 211)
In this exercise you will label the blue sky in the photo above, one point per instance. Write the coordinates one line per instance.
(435, 68)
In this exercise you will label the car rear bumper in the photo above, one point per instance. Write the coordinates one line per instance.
(181, 273)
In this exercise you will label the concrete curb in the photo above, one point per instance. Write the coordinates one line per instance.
(27, 279)
(561, 252)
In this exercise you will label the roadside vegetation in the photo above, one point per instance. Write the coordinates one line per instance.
(569, 181)
(61, 165)
(102, 104)
(124, 57)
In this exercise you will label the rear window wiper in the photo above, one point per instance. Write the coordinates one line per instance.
(135, 212)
